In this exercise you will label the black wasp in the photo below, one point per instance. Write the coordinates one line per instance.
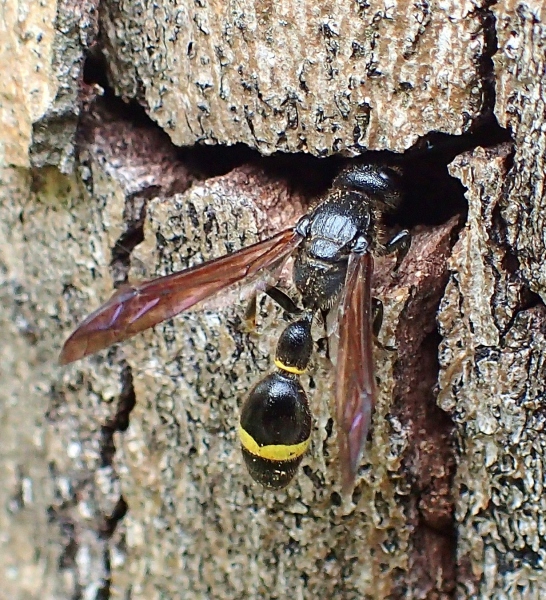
(333, 247)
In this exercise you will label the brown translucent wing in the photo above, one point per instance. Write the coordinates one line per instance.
(355, 384)
(133, 309)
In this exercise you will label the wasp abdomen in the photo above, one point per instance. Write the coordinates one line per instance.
(275, 429)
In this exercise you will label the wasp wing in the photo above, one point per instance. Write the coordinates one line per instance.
(133, 309)
(355, 384)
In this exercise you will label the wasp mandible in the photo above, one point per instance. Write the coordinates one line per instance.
(333, 248)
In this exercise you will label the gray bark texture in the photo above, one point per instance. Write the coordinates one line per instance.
(121, 474)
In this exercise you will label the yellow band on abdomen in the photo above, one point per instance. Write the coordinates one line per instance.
(276, 452)
(293, 370)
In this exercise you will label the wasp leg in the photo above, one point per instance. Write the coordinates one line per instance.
(377, 321)
(377, 316)
(278, 296)
(400, 244)
(250, 314)
(284, 301)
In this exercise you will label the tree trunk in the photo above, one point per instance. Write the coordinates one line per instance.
(137, 141)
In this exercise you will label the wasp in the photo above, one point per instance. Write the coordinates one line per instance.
(333, 249)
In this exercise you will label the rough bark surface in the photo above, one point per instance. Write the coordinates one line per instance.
(521, 106)
(493, 353)
(299, 76)
(123, 476)
(491, 358)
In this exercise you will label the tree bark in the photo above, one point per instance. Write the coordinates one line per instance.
(119, 160)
